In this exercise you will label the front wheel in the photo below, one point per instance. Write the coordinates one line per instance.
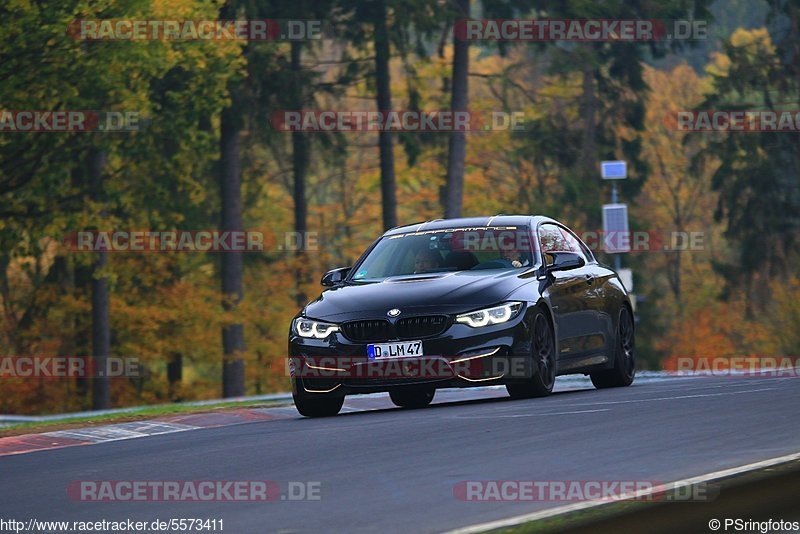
(544, 359)
(412, 398)
(624, 358)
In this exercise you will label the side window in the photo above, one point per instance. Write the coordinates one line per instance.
(551, 240)
(575, 245)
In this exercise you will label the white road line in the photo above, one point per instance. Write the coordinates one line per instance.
(544, 514)
(738, 383)
(525, 414)
(351, 409)
(630, 401)
(120, 431)
(749, 381)
(654, 399)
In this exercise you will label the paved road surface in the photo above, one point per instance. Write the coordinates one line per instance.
(393, 470)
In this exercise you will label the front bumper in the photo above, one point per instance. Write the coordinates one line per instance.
(459, 357)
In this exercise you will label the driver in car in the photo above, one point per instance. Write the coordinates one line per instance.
(511, 257)
(426, 260)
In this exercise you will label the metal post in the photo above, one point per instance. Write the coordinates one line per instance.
(617, 259)
(614, 170)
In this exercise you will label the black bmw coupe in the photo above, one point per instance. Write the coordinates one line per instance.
(512, 300)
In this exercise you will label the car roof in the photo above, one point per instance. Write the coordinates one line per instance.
(472, 222)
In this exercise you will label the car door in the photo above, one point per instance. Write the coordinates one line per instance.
(569, 293)
(595, 315)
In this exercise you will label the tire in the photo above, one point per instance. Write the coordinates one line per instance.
(624, 369)
(318, 406)
(412, 397)
(543, 350)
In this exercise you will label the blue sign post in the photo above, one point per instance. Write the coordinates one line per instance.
(615, 214)
(613, 170)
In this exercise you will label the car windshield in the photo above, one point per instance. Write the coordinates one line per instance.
(447, 250)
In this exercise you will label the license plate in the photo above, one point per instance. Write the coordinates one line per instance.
(404, 349)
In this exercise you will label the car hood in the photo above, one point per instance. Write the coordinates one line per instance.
(415, 294)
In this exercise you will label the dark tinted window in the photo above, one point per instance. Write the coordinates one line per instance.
(447, 250)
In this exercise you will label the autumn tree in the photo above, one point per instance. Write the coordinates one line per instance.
(758, 172)
(56, 183)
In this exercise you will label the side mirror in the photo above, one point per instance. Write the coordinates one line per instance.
(334, 277)
(564, 261)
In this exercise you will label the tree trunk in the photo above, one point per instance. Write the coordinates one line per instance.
(384, 100)
(674, 276)
(175, 375)
(10, 320)
(589, 113)
(299, 170)
(231, 261)
(457, 148)
(101, 325)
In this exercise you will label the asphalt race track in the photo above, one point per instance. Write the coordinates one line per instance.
(394, 470)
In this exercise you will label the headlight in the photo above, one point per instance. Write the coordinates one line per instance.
(316, 329)
(495, 315)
